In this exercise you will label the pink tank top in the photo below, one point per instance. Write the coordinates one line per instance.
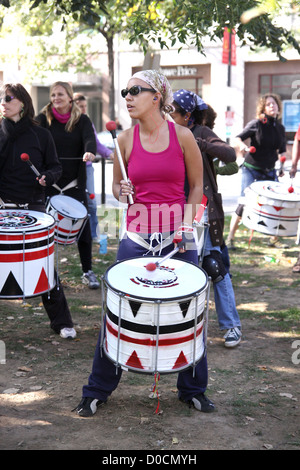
(159, 182)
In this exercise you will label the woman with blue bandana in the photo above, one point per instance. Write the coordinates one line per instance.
(190, 112)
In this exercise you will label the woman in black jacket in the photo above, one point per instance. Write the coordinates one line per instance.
(75, 143)
(19, 185)
(267, 136)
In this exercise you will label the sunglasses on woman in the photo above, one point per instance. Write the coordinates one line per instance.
(6, 98)
(135, 90)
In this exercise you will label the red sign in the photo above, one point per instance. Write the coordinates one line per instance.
(229, 118)
(226, 47)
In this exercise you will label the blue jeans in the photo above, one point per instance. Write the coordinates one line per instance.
(228, 316)
(249, 175)
(104, 378)
(92, 203)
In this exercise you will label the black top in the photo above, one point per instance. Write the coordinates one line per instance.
(71, 146)
(268, 137)
(17, 180)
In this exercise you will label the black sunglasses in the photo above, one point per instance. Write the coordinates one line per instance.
(135, 90)
(7, 98)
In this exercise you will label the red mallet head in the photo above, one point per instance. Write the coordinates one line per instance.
(92, 196)
(111, 126)
(24, 157)
(252, 149)
(291, 189)
(151, 267)
(282, 158)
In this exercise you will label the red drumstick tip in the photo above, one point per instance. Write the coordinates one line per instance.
(282, 158)
(291, 189)
(151, 267)
(24, 157)
(252, 149)
(92, 196)
(111, 126)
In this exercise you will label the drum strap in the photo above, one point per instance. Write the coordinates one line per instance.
(135, 237)
(72, 184)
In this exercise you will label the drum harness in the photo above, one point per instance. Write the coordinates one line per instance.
(156, 236)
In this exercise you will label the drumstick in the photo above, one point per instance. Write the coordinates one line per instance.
(251, 149)
(25, 158)
(153, 266)
(291, 189)
(282, 161)
(111, 127)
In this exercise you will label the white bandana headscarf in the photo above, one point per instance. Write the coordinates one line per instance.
(161, 84)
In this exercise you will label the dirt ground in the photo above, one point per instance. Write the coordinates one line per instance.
(254, 386)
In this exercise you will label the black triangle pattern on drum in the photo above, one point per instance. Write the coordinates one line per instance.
(11, 287)
(184, 306)
(280, 227)
(261, 222)
(135, 306)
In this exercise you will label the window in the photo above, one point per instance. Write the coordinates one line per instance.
(283, 85)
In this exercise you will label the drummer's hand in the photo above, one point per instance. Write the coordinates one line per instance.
(88, 157)
(182, 237)
(293, 172)
(42, 180)
(126, 188)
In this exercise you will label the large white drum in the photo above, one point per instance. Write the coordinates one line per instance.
(271, 209)
(26, 253)
(155, 320)
(70, 215)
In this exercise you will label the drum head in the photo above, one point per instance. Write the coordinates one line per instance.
(68, 206)
(16, 221)
(175, 279)
(275, 190)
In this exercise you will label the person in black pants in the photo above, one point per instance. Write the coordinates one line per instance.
(19, 133)
(75, 143)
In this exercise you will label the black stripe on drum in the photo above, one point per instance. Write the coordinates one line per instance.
(28, 245)
(152, 329)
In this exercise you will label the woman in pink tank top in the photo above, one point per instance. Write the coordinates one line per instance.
(157, 155)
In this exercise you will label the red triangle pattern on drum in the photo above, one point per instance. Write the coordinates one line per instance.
(43, 283)
(181, 361)
(134, 361)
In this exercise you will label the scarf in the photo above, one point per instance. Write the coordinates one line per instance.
(189, 101)
(63, 118)
(160, 84)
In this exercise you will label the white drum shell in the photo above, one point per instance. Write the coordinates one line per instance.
(163, 335)
(26, 254)
(271, 209)
(69, 215)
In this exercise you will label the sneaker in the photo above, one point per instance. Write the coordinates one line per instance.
(88, 406)
(201, 403)
(233, 337)
(68, 333)
(275, 243)
(230, 245)
(90, 280)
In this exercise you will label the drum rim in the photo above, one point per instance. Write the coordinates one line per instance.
(28, 229)
(277, 197)
(72, 199)
(150, 299)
